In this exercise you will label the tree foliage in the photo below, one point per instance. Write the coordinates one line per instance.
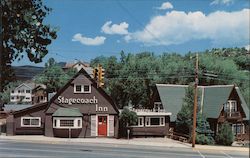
(53, 76)
(24, 33)
(131, 78)
(5, 95)
(225, 135)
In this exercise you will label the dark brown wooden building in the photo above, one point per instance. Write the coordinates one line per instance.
(218, 104)
(79, 109)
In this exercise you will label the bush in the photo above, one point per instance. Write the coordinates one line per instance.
(203, 139)
(127, 118)
(225, 135)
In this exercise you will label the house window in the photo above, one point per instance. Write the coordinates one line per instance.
(238, 129)
(12, 98)
(19, 91)
(155, 121)
(64, 122)
(12, 91)
(78, 88)
(140, 121)
(30, 121)
(230, 106)
(86, 89)
(82, 88)
(27, 91)
(27, 98)
(157, 106)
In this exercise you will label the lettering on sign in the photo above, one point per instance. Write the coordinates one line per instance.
(100, 108)
(63, 100)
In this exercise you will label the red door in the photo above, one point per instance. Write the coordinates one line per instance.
(102, 125)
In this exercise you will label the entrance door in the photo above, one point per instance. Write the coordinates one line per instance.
(102, 125)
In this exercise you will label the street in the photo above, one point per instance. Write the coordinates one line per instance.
(10, 148)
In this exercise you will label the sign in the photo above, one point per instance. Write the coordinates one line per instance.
(63, 100)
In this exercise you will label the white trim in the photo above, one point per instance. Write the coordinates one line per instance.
(82, 88)
(161, 124)
(22, 118)
(75, 119)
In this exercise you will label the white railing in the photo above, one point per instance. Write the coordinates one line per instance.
(149, 110)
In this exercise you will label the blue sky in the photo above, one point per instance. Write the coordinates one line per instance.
(90, 28)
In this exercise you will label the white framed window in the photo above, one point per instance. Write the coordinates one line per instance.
(238, 129)
(157, 106)
(230, 106)
(155, 121)
(82, 88)
(30, 121)
(28, 91)
(140, 122)
(67, 122)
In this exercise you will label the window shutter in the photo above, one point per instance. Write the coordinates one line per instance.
(111, 125)
(93, 125)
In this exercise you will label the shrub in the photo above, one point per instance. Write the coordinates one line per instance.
(225, 135)
(203, 139)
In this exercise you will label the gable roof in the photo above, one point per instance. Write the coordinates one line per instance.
(171, 97)
(211, 101)
(100, 90)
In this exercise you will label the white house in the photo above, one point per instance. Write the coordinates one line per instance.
(26, 93)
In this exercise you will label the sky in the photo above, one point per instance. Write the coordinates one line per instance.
(91, 28)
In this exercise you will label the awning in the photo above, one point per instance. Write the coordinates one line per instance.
(68, 112)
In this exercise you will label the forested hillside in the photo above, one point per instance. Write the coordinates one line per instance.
(131, 78)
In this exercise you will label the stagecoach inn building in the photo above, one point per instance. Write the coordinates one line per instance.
(79, 109)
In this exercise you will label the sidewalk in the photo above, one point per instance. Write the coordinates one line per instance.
(161, 142)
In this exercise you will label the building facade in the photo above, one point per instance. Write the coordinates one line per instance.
(79, 109)
(219, 104)
(28, 93)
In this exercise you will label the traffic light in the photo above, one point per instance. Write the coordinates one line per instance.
(95, 73)
(101, 73)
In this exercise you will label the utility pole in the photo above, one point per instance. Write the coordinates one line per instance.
(1, 49)
(195, 101)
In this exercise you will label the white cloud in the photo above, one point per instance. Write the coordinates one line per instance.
(98, 40)
(166, 5)
(222, 2)
(120, 29)
(176, 27)
(247, 47)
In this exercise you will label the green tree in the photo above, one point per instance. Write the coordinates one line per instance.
(225, 135)
(53, 76)
(5, 95)
(127, 118)
(204, 134)
(23, 32)
(185, 115)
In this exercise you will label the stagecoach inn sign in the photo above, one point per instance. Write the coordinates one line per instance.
(70, 101)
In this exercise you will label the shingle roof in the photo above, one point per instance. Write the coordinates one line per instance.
(15, 107)
(67, 112)
(211, 101)
(171, 97)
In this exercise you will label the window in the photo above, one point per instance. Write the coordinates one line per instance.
(12, 91)
(238, 128)
(19, 91)
(140, 122)
(67, 122)
(158, 106)
(78, 88)
(86, 88)
(155, 121)
(27, 91)
(30, 122)
(27, 98)
(82, 88)
(230, 106)
(12, 98)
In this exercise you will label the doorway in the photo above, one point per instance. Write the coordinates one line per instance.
(102, 126)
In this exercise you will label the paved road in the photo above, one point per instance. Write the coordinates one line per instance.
(72, 150)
